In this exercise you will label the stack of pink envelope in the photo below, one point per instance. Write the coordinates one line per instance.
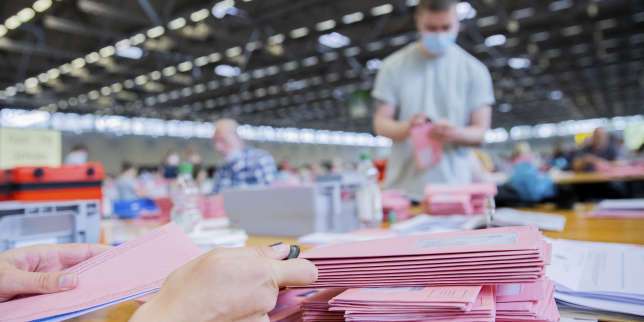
(446, 199)
(526, 302)
(395, 201)
(289, 305)
(450, 303)
(316, 307)
(476, 257)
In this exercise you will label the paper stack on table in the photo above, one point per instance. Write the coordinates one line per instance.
(526, 302)
(479, 257)
(316, 307)
(146, 261)
(443, 199)
(619, 208)
(543, 221)
(456, 303)
(598, 276)
(289, 305)
(395, 201)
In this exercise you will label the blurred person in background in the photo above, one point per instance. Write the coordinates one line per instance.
(526, 182)
(127, 185)
(433, 78)
(79, 154)
(191, 155)
(170, 165)
(286, 174)
(243, 165)
(598, 153)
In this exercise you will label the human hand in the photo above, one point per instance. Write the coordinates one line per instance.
(417, 119)
(444, 131)
(237, 284)
(38, 269)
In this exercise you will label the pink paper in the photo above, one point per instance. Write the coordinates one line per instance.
(129, 269)
(427, 151)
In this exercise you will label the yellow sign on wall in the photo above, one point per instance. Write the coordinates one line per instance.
(29, 147)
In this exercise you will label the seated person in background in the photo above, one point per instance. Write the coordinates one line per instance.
(238, 284)
(78, 155)
(244, 166)
(596, 154)
(127, 187)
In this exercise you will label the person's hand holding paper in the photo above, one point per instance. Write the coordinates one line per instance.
(39, 269)
(227, 285)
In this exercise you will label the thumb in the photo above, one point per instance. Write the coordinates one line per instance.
(22, 282)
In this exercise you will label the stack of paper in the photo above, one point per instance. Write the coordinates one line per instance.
(526, 302)
(488, 256)
(427, 151)
(458, 199)
(395, 201)
(598, 276)
(126, 272)
(456, 303)
(619, 208)
(543, 221)
(316, 307)
(289, 305)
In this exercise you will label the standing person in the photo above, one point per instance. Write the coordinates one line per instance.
(244, 166)
(432, 78)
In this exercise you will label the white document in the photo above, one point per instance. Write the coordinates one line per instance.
(621, 204)
(513, 217)
(601, 304)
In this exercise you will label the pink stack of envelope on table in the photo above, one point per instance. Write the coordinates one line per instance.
(289, 305)
(449, 303)
(477, 257)
(395, 201)
(466, 199)
(526, 302)
(316, 307)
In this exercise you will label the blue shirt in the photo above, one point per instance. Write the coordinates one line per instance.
(249, 167)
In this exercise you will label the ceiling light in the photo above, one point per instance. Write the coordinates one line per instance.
(299, 32)
(464, 10)
(156, 32)
(221, 8)
(116, 87)
(137, 39)
(201, 61)
(43, 78)
(495, 40)
(334, 40)
(130, 52)
(169, 71)
(353, 17)
(53, 73)
(185, 66)
(560, 5)
(519, 63)
(382, 9)
(107, 51)
(12, 23)
(78, 63)
(140, 80)
(31, 82)
(65, 68)
(42, 5)
(177, 23)
(374, 64)
(155, 75)
(26, 14)
(92, 57)
(276, 39)
(105, 91)
(199, 15)
(227, 70)
(325, 25)
(128, 83)
(3, 31)
(555, 95)
(234, 51)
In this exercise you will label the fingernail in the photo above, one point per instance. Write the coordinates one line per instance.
(67, 281)
(281, 248)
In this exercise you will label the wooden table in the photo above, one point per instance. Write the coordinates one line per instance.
(578, 227)
(571, 178)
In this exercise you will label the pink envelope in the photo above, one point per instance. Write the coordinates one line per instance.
(132, 268)
(427, 151)
(472, 241)
(426, 295)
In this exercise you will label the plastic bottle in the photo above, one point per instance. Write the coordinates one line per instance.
(185, 199)
(369, 196)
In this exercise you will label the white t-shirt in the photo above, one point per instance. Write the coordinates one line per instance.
(449, 87)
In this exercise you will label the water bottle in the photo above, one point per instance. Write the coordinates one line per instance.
(185, 200)
(369, 197)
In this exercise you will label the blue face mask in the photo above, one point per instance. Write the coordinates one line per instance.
(437, 43)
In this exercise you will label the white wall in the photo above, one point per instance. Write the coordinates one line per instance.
(113, 150)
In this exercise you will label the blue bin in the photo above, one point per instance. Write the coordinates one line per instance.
(130, 209)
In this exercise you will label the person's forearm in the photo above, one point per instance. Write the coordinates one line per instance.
(395, 130)
(470, 135)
